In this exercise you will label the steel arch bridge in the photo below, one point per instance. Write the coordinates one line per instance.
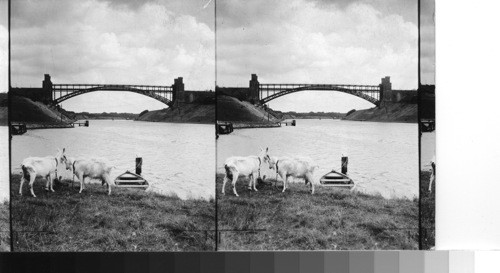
(370, 93)
(62, 92)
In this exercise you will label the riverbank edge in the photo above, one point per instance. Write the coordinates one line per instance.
(63, 125)
(127, 220)
(381, 121)
(331, 219)
(193, 113)
(175, 122)
(250, 125)
(391, 112)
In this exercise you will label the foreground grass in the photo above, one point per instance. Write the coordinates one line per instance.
(4, 227)
(128, 220)
(329, 219)
(428, 211)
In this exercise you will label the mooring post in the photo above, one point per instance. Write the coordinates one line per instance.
(345, 160)
(138, 165)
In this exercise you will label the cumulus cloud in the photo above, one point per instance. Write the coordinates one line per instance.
(4, 47)
(112, 42)
(313, 42)
(4, 85)
(427, 42)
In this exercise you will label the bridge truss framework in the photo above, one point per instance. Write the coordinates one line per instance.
(62, 92)
(268, 92)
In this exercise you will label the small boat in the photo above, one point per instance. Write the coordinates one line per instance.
(17, 128)
(336, 179)
(131, 180)
(224, 128)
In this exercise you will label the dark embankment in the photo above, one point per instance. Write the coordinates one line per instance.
(329, 219)
(103, 115)
(188, 113)
(428, 211)
(310, 115)
(427, 102)
(388, 112)
(242, 112)
(4, 227)
(3, 109)
(127, 220)
(32, 112)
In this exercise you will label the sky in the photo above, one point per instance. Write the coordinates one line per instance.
(318, 41)
(4, 138)
(427, 42)
(113, 42)
(4, 46)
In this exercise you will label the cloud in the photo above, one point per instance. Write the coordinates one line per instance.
(301, 41)
(4, 13)
(427, 42)
(103, 42)
(4, 85)
(4, 47)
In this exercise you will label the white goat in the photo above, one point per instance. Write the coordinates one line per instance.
(298, 167)
(433, 173)
(95, 168)
(33, 167)
(245, 166)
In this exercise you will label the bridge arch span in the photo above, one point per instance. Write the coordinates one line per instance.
(160, 93)
(368, 93)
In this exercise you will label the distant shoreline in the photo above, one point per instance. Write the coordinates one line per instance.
(186, 122)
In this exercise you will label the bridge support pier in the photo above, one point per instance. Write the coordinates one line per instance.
(254, 96)
(47, 90)
(178, 91)
(385, 90)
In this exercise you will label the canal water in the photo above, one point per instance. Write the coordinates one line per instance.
(428, 148)
(383, 157)
(178, 159)
(4, 163)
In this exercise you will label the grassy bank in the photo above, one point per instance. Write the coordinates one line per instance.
(128, 220)
(329, 219)
(233, 110)
(184, 113)
(428, 211)
(4, 227)
(27, 111)
(3, 109)
(388, 112)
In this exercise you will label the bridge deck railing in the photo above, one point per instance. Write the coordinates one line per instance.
(286, 86)
(270, 91)
(76, 87)
(61, 92)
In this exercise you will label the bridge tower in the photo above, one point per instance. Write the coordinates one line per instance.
(253, 95)
(47, 89)
(386, 89)
(178, 91)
